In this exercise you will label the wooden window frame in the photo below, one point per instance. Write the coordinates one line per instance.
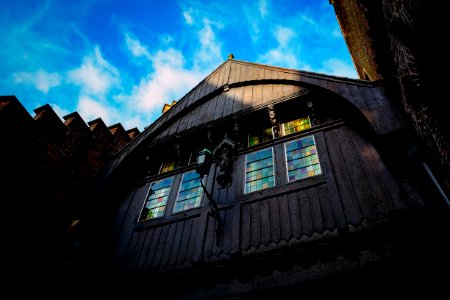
(273, 168)
(173, 195)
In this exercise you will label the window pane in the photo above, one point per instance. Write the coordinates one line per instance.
(167, 167)
(157, 198)
(190, 192)
(302, 159)
(256, 138)
(259, 170)
(296, 125)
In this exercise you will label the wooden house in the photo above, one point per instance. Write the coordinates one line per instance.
(269, 182)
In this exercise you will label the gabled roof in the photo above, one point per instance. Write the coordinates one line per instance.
(254, 84)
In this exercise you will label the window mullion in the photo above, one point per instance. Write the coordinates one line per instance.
(173, 194)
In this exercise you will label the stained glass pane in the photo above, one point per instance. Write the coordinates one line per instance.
(259, 173)
(302, 159)
(167, 167)
(155, 205)
(264, 136)
(296, 125)
(190, 192)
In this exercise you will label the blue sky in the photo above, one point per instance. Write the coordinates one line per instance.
(122, 60)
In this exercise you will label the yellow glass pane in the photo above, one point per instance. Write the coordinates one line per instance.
(167, 167)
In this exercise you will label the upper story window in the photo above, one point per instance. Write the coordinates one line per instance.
(163, 195)
(296, 126)
(190, 192)
(302, 159)
(155, 205)
(167, 167)
(259, 170)
(259, 137)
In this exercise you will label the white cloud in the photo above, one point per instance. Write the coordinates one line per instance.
(61, 112)
(42, 80)
(262, 5)
(96, 76)
(90, 109)
(135, 47)
(337, 67)
(210, 52)
(283, 35)
(168, 82)
(188, 16)
(283, 54)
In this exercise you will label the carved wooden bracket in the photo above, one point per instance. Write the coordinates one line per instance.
(223, 155)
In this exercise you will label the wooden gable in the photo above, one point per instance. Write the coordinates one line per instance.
(236, 86)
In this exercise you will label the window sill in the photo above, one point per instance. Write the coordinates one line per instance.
(288, 187)
(176, 217)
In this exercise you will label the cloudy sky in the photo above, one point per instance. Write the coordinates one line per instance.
(122, 60)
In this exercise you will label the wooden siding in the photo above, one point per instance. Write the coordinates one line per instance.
(255, 84)
(354, 190)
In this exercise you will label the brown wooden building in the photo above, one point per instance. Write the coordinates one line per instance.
(304, 189)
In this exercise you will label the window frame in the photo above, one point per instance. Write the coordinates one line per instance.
(286, 158)
(169, 215)
(273, 169)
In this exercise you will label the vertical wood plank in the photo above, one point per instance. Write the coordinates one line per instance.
(203, 110)
(257, 95)
(160, 247)
(277, 91)
(131, 216)
(138, 250)
(265, 222)
(152, 248)
(183, 123)
(237, 72)
(247, 97)
(233, 67)
(267, 93)
(245, 228)
(316, 213)
(194, 252)
(146, 245)
(255, 237)
(326, 210)
(174, 127)
(229, 101)
(357, 177)
(294, 215)
(305, 213)
(228, 66)
(131, 248)
(235, 229)
(209, 239)
(275, 233)
(218, 236)
(211, 109)
(221, 101)
(238, 99)
(176, 243)
(193, 117)
(122, 213)
(285, 225)
(227, 231)
(327, 169)
(350, 204)
(185, 239)
(168, 244)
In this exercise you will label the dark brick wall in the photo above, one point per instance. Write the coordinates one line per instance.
(397, 40)
(47, 176)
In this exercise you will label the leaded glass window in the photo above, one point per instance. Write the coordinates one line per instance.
(190, 192)
(256, 138)
(302, 159)
(167, 167)
(259, 171)
(296, 125)
(155, 205)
